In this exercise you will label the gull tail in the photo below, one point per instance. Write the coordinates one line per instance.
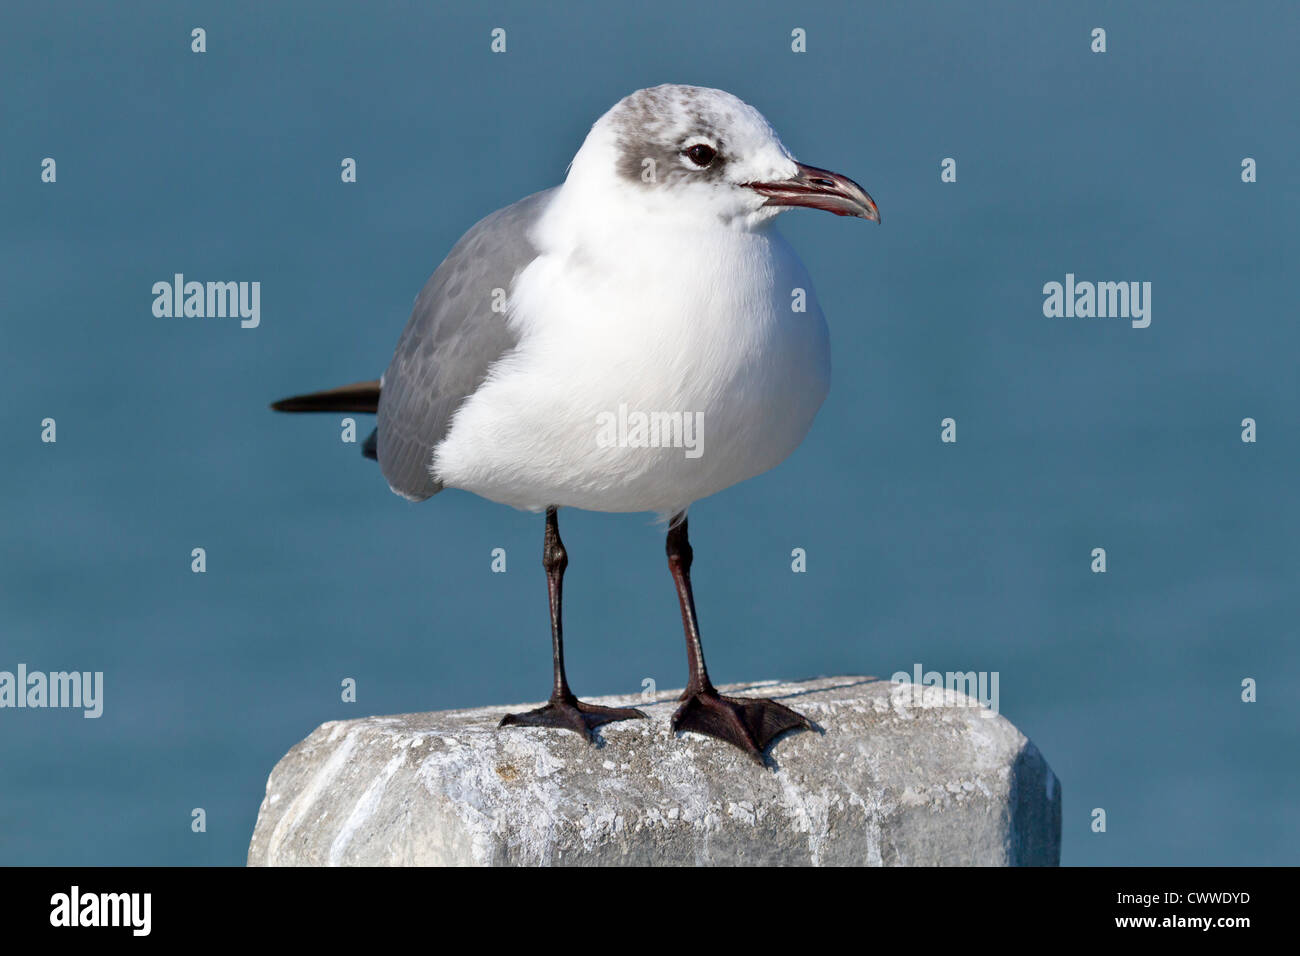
(358, 397)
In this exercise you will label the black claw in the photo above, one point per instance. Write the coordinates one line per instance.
(750, 723)
(571, 714)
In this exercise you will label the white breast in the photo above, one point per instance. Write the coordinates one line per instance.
(651, 320)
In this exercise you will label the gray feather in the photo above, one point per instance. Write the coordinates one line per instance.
(450, 342)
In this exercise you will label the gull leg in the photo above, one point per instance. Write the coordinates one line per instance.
(564, 710)
(750, 723)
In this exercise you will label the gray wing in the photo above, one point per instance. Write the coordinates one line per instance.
(451, 340)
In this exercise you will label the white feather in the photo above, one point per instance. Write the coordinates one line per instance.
(667, 300)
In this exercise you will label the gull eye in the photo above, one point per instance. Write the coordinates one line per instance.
(701, 154)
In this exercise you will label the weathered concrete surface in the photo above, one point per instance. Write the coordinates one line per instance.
(899, 775)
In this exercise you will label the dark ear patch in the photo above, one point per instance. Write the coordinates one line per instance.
(651, 162)
(651, 137)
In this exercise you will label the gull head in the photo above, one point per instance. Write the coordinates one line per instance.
(696, 153)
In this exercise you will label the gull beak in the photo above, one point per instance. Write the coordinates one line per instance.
(820, 189)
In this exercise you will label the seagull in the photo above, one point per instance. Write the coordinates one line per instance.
(633, 340)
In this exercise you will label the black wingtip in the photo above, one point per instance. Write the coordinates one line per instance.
(362, 397)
